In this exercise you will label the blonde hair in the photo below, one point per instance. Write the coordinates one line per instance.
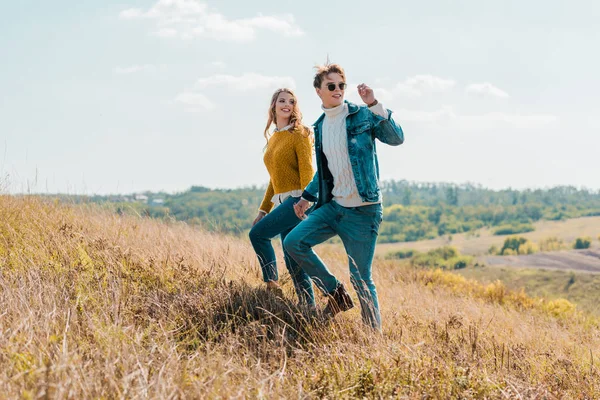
(295, 118)
(324, 70)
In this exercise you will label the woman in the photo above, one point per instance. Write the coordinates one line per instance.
(288, 158)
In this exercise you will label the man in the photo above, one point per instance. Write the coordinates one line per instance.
(346, 190)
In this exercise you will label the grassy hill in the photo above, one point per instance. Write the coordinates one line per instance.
(97, 305)
(581, 288)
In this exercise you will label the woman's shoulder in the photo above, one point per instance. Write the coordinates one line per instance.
(302, 131)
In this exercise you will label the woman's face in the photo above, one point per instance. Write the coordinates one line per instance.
(284, 105)
(335, 97)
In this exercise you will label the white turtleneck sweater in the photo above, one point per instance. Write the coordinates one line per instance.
(335, 148)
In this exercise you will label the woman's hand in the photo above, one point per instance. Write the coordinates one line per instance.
(300, 208)
(260, 216)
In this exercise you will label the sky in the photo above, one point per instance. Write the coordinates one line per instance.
(134, 95)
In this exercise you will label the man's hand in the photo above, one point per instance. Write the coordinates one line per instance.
(300, 208)
(366, 93)
(260, 216)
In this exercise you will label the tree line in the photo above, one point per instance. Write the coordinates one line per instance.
(412, 211)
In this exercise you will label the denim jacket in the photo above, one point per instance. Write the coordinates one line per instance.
(362, 127)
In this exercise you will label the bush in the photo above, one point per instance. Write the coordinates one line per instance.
(552, 244)
(400, 254)
(512, 229)
(513, 243)
(446, 257)
(493, 250)
(528, 248)
(582, 243)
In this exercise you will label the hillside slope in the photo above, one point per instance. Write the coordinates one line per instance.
(101, 305)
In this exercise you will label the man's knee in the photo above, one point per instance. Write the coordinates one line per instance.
(254, 235)
(290, 243)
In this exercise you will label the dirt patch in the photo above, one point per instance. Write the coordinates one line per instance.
(580, 260)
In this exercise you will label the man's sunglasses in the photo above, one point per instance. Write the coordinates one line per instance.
(341, 85)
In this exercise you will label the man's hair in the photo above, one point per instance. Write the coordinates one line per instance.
(324, 70)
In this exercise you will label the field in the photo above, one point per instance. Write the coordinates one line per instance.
(480, 242)
(97, 305)
(579, 260)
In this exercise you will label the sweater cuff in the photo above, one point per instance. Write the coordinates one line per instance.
(379, 110)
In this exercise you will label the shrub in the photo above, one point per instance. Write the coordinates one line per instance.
(560, 308)
(400, 254)
(552, 244)
(493, 250)
(528, 248)
(446, 257)
(582, 243)
(512, 229)
(513, 243)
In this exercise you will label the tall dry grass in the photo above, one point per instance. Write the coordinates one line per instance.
(100, 306)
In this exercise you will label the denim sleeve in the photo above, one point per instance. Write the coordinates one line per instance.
(387, 130)
(311, 192)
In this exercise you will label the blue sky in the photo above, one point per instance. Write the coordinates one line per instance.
(108, 97)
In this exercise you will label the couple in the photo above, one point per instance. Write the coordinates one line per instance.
(342, 198)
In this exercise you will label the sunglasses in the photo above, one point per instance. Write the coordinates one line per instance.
(341, 85)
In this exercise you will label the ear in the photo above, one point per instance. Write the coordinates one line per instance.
(318, 91)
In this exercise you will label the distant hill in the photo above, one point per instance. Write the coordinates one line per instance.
(413, 211)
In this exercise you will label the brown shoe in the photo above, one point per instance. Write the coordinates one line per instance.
(339, 300)
(276, 291)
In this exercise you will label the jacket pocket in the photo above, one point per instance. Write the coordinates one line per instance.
(360, 128)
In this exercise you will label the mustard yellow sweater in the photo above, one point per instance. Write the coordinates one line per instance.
(288, 159)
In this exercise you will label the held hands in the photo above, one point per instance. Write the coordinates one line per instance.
(260, 216)
(366, 93)
(300, 208)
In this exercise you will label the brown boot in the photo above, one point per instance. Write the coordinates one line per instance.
(274, 288)
(339, 300)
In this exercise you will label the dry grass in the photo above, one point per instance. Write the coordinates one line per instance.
(101, 306)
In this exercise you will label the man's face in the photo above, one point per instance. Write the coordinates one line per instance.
(330, 92)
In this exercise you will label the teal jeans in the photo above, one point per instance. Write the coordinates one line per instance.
(280, 221)
(358, 229)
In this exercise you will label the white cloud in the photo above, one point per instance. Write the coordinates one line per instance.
(132, 69)
(444, 113)
(218, 64)
(486, 89)
(447, 115)
(519, 120)
(166, 32)
(419, 84)
(283, 24)
(382, 94)
(131, 13)
(189, 19)
(246, 82)
(194, 102)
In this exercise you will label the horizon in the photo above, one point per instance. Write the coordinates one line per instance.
(261, 187)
